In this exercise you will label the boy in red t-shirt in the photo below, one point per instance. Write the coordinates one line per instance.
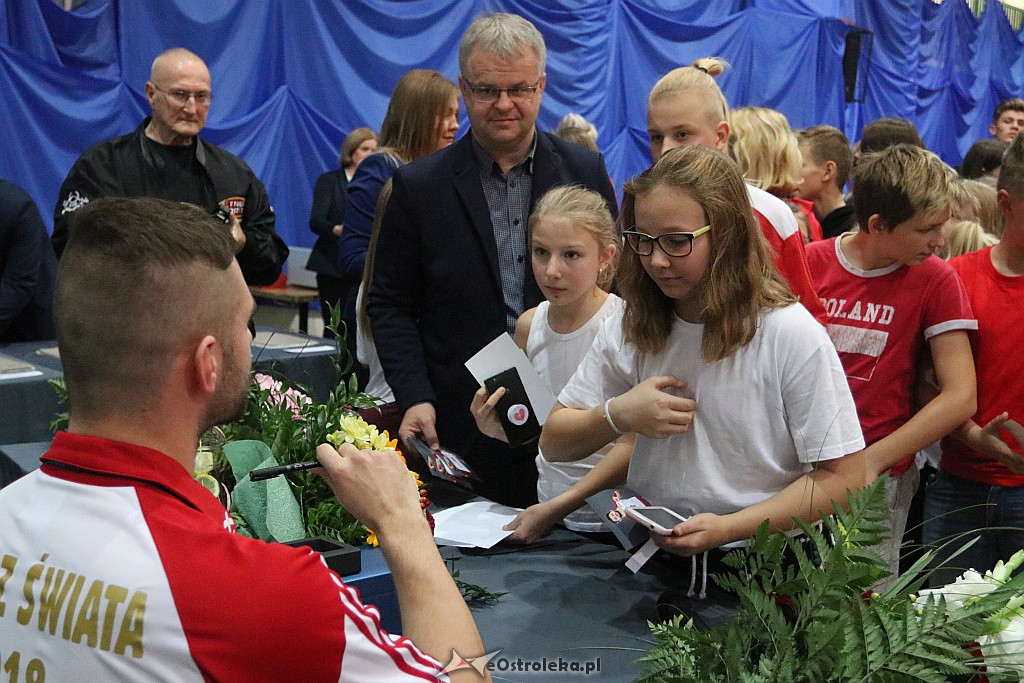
(886, 294)
(979, 491)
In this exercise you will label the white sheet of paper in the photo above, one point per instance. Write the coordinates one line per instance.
(502, 354)
(640, 557)
(473, 525)
(310, 349)
(21, 375)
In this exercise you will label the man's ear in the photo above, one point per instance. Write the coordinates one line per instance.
(829, 175)
(1005, 203)
(992, 130)
(875, 223)
(207, 362)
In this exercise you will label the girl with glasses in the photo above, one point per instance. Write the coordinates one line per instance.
(739, 402)
(574, 247)
(686, 107)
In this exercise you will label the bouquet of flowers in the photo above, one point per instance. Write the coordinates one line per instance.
(817, 619)
(282, 425)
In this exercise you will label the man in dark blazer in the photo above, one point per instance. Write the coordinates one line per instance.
(453, 266)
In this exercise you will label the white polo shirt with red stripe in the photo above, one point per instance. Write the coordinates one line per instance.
(116, 565)
(783, 234)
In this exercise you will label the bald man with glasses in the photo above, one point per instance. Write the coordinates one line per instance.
(165, 158)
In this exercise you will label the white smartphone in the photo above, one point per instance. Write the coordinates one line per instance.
(658, 519)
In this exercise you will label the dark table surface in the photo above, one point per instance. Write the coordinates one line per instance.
(29, 404)
(570, 600)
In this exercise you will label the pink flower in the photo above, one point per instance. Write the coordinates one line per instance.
(292, 399)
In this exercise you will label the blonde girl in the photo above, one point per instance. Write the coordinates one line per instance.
(739, 402)
(686, 107)
(573, 243)
(765, 147)
(964, 232)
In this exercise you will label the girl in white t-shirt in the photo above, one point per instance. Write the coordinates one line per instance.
(738, 399)
(573, 243)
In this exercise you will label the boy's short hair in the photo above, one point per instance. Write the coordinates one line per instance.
(899, 183)
(884, 133)
(827, 143)
(1009, 104)
(1011, 172)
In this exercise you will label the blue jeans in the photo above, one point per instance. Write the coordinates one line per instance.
(959, 510)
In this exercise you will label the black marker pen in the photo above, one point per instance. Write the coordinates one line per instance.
(271, 472)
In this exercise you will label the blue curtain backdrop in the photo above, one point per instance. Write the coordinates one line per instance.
(292, 77)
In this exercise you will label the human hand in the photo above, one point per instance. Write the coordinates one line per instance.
(337, 229)
(419, 421)
(533, 523)
(650, 410)
(375, 486)
(483, 412)
(701, 532)
(988, 442)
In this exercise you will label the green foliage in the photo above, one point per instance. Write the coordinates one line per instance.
(475, 595)
(61, 421)
(814, 619)
(292, 433)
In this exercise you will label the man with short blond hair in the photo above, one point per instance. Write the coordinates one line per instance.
(165, 157)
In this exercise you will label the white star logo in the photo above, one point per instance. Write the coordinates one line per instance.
(478, 663)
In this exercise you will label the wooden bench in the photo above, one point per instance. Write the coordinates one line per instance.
(291, 295)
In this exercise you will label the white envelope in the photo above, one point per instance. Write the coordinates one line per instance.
(502, 354)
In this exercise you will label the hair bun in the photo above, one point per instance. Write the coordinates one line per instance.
(712, 66)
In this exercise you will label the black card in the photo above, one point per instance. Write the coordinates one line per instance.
(513, 409)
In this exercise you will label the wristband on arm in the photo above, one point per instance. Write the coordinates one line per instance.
(608, 418)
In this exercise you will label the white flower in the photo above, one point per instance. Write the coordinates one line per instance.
(1004, 651)
(969, 585)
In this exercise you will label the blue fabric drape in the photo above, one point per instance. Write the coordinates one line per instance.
(291, 77)
(997, 64)
(945, 106)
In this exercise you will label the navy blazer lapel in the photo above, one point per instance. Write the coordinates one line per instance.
(471, 192)
(547, 168)
(547, 173)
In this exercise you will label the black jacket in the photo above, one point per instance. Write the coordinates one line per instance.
(330, 199)
(125, 167)
(27, 269)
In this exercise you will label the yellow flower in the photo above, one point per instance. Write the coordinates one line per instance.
(382, 441)
(371, 540)
(354, 430)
